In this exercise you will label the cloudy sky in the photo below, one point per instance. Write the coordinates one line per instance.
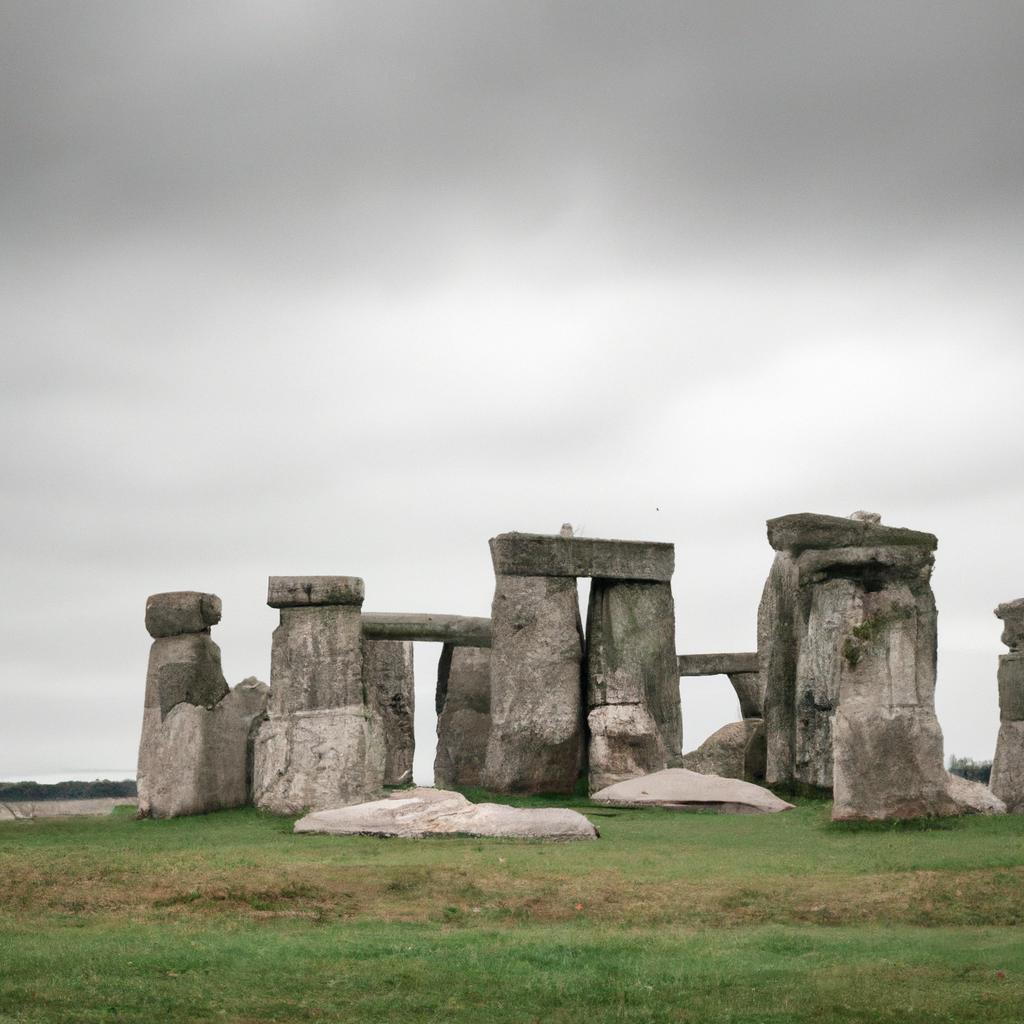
(351, 287)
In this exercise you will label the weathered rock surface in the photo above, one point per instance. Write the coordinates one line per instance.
(316, 759)
(536, 739)
(1007, 781)
(417, 813)
(316, 659)
(685, 790)
(624, 741)
(974, 797)
(847, 646)
(631, 663)
(538, 554)
(462, 630)
(718, 664)
(736, 751)
(182, 611)
(196, 759)
(388, 678)
(463, 715)
(323, 743)
(184, 669)
(1012, 614)
(307, 591)
(749, 687)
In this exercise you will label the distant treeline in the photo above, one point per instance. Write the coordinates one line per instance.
(34, 791)
(968, 768)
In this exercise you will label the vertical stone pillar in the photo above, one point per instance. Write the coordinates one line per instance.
(195, 754)
(323, 744)
(1007, 780)
(388, 678)
(463, 716)
(536, 739)
(634, 716)
(847, 649)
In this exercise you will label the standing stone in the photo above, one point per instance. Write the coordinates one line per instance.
(196, 749)
(1007, 781)
(323, 743)
(749, 687)
(536, 739)
(847, 646)
(463, 716)
(634, 716)
(388, 678)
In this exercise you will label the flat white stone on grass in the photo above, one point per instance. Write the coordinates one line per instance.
(685, 790)
(421, 812)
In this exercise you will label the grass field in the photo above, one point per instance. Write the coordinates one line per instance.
(669, 917)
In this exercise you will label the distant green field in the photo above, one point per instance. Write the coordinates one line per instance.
(669, 917)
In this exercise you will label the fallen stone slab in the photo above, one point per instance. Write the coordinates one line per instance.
(680, 789)
(541, 554)
(418, 813)
(460, 630)
(181, 611)
(974, 797)
(303, 591)
(27, 810)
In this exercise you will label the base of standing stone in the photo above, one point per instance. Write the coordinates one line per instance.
(390, 688)
(196, 759)
(536, 739)
(624, 742)
(1007, 780)
(463, 716)
(888, 764)
(310, 760)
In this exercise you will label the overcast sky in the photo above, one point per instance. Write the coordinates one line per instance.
(348, 288)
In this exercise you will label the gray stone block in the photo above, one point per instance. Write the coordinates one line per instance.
(463, 715)
(1007, 781)
(536, 739)
(802, 530)
(1012, 614)
(463, 630)
(316, 659)
(631, 659)
(736, 751)
(181, 611)
(749, 687)
(717, 664)
(1011, 687)
(184, 669)
(388, 679)
(536, 554)
(314, 760)
(888, 764)
(624, 742)
(196, 759)
(304, 591)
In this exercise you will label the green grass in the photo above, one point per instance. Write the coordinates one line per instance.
(669, 917)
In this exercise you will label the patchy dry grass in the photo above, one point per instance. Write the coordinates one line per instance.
(732, 918)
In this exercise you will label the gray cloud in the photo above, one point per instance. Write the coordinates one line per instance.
(349, 288)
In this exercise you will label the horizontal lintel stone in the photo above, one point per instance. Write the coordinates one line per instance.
(717, 664)
(804, 530)
(539, 554)
(307, 591)
(458, 630)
